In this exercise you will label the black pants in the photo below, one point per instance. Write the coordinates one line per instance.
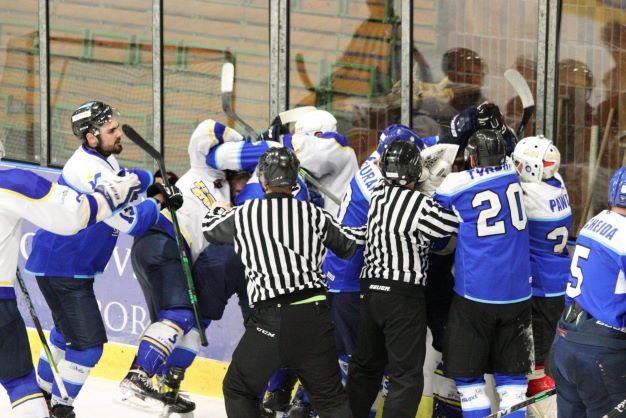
(297, 336)
(392, 332)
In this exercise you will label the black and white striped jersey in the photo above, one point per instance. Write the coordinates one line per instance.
(402, 223)
(282, 242)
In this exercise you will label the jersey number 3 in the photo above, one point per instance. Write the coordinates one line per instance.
(514, 200)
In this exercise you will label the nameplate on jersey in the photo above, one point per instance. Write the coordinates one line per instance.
(367, 178)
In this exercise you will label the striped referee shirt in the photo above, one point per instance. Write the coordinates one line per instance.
(282, 242)
(402, 223)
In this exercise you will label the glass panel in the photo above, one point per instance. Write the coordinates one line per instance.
(592, 98)
(100, 52)
(19, 80)
(461, 50)
(345, 58)
(199, 34)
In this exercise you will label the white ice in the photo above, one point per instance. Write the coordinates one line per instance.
(98, 397)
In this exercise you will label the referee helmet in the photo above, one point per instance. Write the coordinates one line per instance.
(279, 167)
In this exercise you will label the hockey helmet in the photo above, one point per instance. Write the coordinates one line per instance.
(279, 167)
(485, 148)
(401, 163)
(316, 121)
(536, 158)
(617, 188)
(397, 132)
(89, 117)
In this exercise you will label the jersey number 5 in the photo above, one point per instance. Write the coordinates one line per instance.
(576, 271)
(514, 200)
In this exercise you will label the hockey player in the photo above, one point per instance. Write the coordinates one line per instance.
(323, 152)
(170, 343)
(402, 223)
(25, 195)
(65, 266)
(549, 214)
(290, 326)
(588, 357)
(489, 324)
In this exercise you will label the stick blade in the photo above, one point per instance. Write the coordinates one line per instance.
(292, 115)
(228, 77)
(520, 86)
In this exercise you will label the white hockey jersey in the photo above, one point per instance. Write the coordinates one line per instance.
(56, 208)
(87, 253)
(201, 186)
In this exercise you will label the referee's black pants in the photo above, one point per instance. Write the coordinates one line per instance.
(392, 332)
(300, 337)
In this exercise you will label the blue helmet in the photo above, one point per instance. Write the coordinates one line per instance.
(617, 188)
(397, 132)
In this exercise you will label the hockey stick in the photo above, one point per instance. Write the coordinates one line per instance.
(520, 86)
(191, 289)
(309, 177)
(46, 348)
(228, 79)
(617, 410)
(596, 168)
(292, 115)
(533, 399)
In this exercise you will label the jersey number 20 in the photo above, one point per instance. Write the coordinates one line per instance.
(516, 208)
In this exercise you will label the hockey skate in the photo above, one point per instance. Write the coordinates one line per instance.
(278, 401)
(62, 411)
(136, 389)
(301, 409)
(169, 387)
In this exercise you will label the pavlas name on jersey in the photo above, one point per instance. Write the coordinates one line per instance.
(483, 171)
(602, 228)
(560, 203)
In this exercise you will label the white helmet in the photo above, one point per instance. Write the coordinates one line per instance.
(316, 121)
(536, 158)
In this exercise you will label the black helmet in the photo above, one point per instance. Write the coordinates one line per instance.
(279, 166)
(485, 148)
(401, 163)
(89, 117)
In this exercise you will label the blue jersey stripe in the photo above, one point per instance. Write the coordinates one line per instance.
(25, 183)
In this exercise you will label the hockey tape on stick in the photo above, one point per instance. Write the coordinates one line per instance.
(308, 177)
(292, 115)
(533, 399)
(46, 348)
(617, 410)
(182, 252)
(228, 81)
(520, 86)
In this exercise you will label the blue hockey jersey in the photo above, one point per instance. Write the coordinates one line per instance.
(492, 259)
(549, 221)
(87, 253)
(343, 275)
(597, 274)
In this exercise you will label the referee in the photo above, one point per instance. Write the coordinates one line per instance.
(402, 224)
(282, 241)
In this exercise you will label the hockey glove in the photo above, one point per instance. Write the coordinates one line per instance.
(119, 190)
(172, 197)
(463, 125)
(490, 117)
(274, 131)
